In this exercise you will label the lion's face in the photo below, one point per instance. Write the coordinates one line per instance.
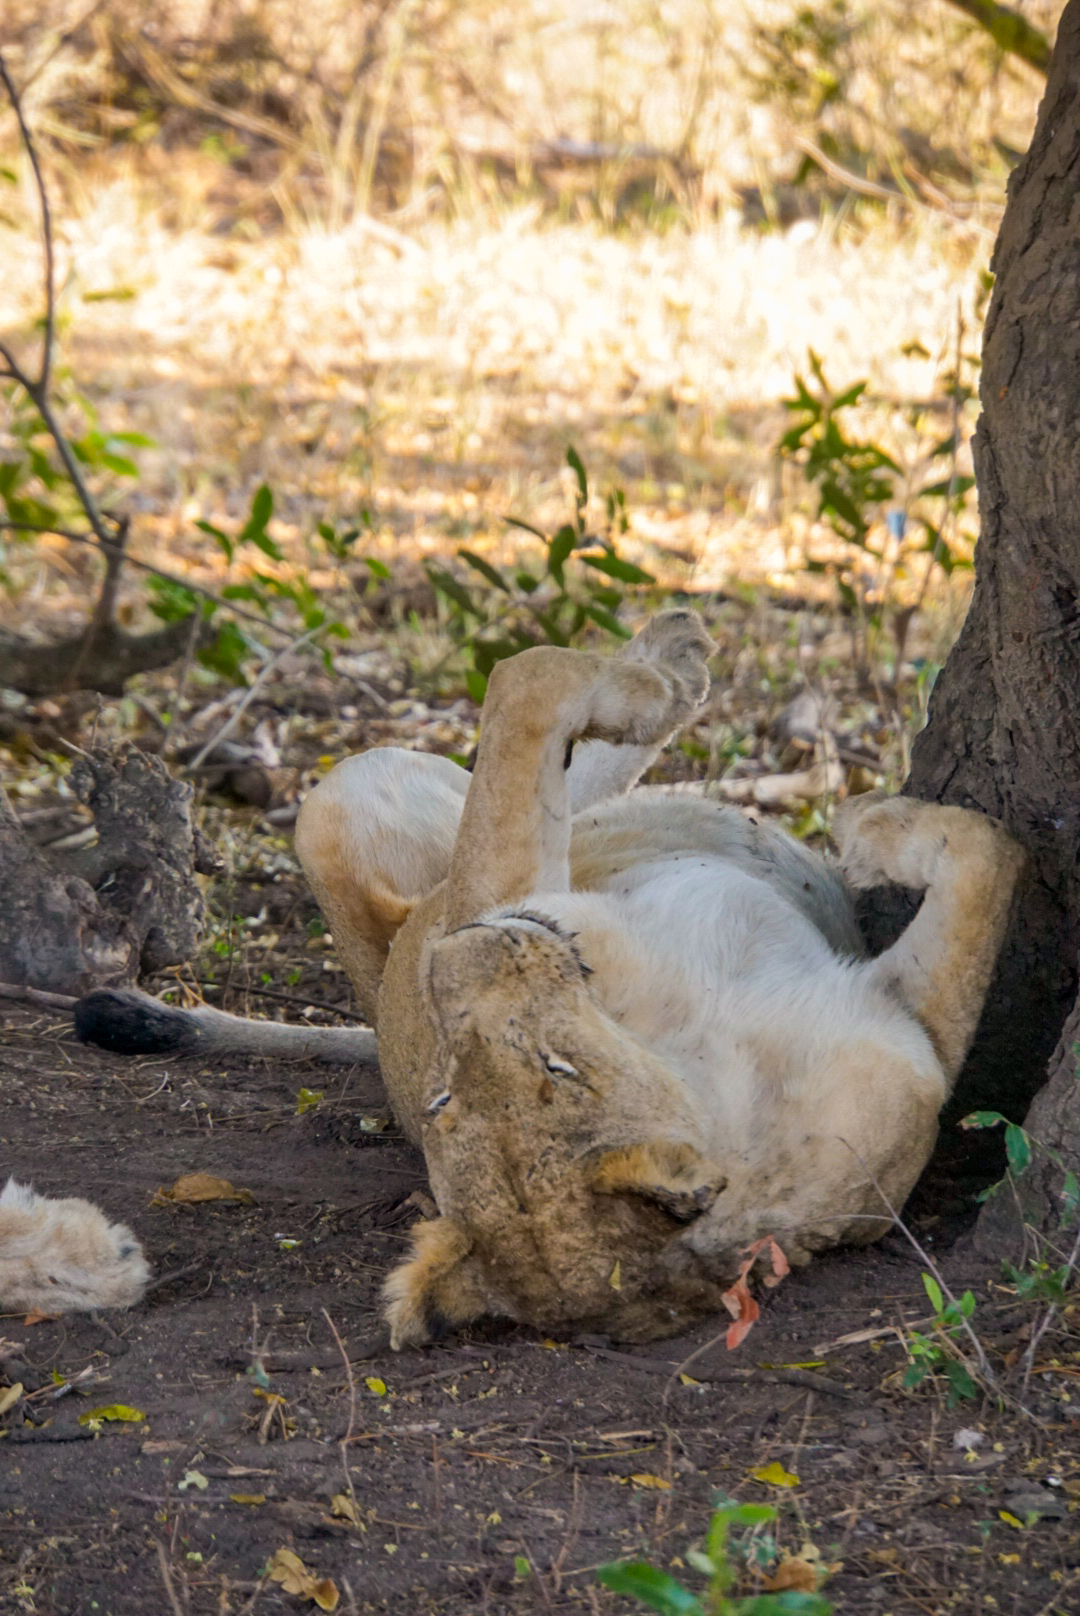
(558, 1150)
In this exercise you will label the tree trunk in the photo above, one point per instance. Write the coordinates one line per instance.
(1004, 726)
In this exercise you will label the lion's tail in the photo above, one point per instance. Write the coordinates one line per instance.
(132, 1023)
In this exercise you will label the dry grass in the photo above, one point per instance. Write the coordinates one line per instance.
(223, 290)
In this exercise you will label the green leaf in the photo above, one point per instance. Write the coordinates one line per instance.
(378, 569)
(954, 485)
(559, 551)
(981, 1119)
(933, 1290)
(551, 628)
(651, 1587)
(447, 585)
(527, 582)
(225, 656)
(747, 1514)
(119, 465)
(842, 400)
(1017, 1148)
(959, 1380)
(262, 507)
(265, 543)
(171, 602)
(485, 569)
(223, 539)
(526, 527)
(615, 567)
(604, 619)
(789, 1603)
(137, 440)
(573, 460)
(245, 592)
(113, 294)
(476, 685)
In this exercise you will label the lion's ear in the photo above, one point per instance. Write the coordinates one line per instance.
(437, 1290)
(676, 1177)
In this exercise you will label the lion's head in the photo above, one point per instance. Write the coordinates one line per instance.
(560, 1152)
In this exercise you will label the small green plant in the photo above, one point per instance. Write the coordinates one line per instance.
(857, 479)
(660, 1591)
(885, 513)
(578, 584)
(938, 1354)
(1039, 1280)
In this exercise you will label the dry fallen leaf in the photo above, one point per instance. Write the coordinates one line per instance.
(774, 1475)
(738, 1301)
(375, 1385)
(290, 1571)
(36, 1316)
(344, 1508)
(114, 1411)
(10, 1396)
(796, 1574)
(657, 1483)
(191, 1188)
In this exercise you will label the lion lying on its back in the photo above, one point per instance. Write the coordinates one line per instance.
(632, 1033)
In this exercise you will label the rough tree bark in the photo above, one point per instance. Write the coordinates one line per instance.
(1004, 726)
(96, 916)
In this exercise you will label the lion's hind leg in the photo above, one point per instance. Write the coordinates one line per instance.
(374, 837)
(65, 1256)
(514, 837)
(967, 865)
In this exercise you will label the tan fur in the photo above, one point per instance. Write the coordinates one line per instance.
(63, 1256)
(635, 1037)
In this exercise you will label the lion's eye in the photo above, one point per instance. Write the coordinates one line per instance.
(439, 1101)
(558, 1067)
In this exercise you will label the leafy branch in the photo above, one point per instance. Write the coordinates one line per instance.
(582, 581)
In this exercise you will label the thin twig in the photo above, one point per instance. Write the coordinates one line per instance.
(249, 696)
(46, 228)
(166, 1577)
(352, 1413)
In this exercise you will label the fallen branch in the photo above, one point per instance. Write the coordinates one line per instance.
(25, 995)
(249, 696)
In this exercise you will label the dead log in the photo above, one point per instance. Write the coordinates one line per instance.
(96, 916)
(105, 664)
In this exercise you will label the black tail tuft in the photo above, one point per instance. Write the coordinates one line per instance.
(132, 1023)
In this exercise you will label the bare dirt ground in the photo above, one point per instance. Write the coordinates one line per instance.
(497, 1471)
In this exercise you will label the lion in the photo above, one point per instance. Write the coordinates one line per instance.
(633, 1032)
